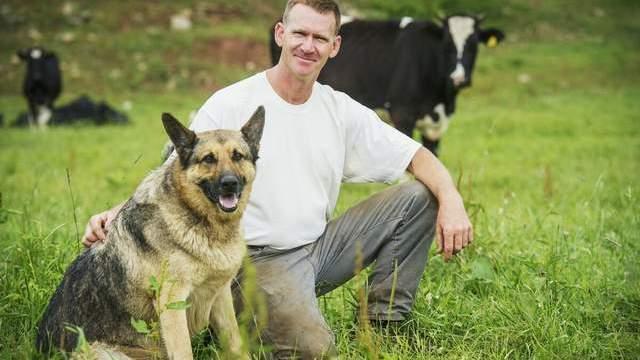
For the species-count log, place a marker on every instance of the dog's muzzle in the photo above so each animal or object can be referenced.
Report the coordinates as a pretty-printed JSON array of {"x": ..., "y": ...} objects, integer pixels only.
[{"x": 225, "y": 192}]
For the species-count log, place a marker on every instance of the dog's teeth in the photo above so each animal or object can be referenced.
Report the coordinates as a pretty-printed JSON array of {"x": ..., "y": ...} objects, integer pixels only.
[{"x": 229, "y": 201}]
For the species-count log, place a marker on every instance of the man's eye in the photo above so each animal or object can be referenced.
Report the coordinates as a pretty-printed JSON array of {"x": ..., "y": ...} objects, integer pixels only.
[
  {"x": 236, "y": 156},
  {"x": 209, "y": 159}
]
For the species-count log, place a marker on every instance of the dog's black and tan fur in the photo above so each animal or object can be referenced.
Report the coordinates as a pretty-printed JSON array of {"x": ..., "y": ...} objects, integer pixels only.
[{"x": 185, "y": 218}]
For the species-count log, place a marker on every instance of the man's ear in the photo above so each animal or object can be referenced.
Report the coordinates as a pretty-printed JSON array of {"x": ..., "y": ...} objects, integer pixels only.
[
  {"x": 183, "y": 139},
  {"x": 336, "y": 46},
  {"x": 252, "y": 131},
  {"x": 278, "y": 32}
]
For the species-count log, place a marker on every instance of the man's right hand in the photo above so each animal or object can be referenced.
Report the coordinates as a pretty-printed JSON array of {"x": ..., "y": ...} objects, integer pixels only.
[{"x": 96, "y": 229}]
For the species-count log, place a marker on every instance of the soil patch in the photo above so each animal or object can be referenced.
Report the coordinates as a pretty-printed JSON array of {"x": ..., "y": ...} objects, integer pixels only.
[{"x": 247, "y": 53}]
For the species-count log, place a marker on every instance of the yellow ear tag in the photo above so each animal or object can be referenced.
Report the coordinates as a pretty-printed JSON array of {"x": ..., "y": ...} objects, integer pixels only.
[{"x": 492, "y": 42}]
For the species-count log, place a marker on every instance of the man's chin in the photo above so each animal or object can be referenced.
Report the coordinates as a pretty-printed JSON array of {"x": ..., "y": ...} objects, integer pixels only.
[
  {"x": 304, "y": 64},
  {"x": 302, "y": 70},
  {"x": 305, "y": 72}
]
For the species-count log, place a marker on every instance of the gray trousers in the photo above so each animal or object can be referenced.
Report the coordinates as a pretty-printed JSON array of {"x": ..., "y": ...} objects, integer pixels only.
[{"x": 393, "y": 228}]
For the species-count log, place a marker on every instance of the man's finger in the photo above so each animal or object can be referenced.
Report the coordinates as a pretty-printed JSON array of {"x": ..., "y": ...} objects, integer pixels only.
[
  {"x": 457, "y": 241},
  {"x": 97, "y": 226},
  {"x": 89, "y": 237},
  {"x": 465, "y": 238},
  {"x": 87, "y": 232},
  {"x": 448, "y": 244},
  {"x": 439, "y": 237}
]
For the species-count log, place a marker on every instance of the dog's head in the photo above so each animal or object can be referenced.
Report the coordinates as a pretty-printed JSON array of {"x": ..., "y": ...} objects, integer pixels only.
[{"x": 216, "y": 168}]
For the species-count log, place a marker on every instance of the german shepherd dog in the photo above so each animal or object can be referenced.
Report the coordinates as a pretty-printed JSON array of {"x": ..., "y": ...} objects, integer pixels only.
[{"x": 182, "y": 225}]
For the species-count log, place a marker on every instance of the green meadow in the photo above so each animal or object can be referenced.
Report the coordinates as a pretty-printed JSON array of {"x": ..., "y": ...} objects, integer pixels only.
[{"x": 544, "y": 147}]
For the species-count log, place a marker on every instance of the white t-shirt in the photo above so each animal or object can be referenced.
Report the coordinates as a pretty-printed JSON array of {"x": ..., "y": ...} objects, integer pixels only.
[{"x": 306, "y": 151}]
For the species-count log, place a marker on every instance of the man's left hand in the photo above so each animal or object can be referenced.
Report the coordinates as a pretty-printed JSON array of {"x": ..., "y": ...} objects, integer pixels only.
[{"x": 453, "y": 229}]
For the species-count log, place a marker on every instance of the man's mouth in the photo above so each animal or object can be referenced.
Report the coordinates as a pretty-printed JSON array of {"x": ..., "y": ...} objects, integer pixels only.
[{"x": 305, "y": 59}]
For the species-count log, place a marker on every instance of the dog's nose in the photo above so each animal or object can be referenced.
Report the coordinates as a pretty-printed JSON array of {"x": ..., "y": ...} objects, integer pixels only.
[{"x": 229, "y": 183}]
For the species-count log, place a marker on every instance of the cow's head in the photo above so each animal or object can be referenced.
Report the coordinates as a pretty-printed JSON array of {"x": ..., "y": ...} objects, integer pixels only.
[
  {"x": 462, "y": 33},
  {"x": 35, "y": 58}
]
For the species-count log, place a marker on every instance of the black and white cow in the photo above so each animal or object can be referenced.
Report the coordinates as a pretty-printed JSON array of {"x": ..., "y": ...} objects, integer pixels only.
[
  {"x": 413, "y": 69},
  {"x": 81, "y": 110},
  {"x": 42, "y": 83}
]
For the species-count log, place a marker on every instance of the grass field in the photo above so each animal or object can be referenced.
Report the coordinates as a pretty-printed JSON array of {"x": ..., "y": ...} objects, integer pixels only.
[{"x": 545, "y": 148}]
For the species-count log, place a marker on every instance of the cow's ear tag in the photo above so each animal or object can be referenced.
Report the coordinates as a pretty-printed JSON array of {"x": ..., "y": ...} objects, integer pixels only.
[{"x": 492, "y": 42}]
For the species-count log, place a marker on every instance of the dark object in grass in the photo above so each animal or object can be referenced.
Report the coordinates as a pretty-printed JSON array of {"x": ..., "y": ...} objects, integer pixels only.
[{"x": 81, "y": 110}]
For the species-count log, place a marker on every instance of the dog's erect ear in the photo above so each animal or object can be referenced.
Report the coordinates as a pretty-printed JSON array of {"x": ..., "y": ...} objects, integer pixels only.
[
  {"x": 252, "y": 131},
  {"x": 182, "y": 138}
]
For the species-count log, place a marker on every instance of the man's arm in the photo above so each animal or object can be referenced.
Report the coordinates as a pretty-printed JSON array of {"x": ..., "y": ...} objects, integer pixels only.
[
  {"x": 96, "y": 229},
  {"x": 453, "y": 228}
]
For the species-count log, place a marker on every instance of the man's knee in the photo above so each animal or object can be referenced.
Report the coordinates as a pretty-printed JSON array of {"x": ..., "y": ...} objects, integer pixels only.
[
  {"x": 421, "y": 197},
  {"x": 317, "y": 343}
]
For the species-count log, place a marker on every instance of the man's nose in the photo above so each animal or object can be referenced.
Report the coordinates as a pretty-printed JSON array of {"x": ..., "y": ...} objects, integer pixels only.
[{"x": 307, "y": 44}]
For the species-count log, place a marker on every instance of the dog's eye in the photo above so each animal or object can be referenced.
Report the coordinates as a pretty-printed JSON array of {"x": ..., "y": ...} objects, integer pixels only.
[
  {"x": 209, "y": 159},
  {"x": 236, "y": 156}
]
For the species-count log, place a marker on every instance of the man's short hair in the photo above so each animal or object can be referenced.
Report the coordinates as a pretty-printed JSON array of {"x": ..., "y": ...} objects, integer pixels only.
[{"x": 321, "y": 6}]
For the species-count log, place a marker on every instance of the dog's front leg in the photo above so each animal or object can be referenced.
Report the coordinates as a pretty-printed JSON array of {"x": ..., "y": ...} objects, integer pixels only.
[
  {"x": 173, "y": 324},
  {"x": 223, "y": 319}
]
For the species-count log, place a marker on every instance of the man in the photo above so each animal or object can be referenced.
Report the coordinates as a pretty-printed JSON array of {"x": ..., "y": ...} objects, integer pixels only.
[{"x": 315, "y": 138}]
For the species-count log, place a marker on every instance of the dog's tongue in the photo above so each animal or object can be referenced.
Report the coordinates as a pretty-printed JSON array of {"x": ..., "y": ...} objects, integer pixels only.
[{"x": 229, "y": 201}]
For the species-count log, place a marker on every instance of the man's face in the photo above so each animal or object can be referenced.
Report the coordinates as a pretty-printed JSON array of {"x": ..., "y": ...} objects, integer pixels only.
[{"x": 308, "y": 40}]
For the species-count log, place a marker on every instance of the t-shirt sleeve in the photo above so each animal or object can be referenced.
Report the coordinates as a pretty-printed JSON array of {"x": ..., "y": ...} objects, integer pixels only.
[
  {"x": 208, "y": 117},
  {"x": 375, "y": 151}
]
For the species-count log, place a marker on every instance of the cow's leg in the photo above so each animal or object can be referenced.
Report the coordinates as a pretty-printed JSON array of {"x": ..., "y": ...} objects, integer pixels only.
[
  {"x": 431, "y": 145},
  {"x": 33, "y": 114},
  {"x": 44, "y": 115},
  {"x": 432, "y": 127},
  {"x": 404, "y": 120}
]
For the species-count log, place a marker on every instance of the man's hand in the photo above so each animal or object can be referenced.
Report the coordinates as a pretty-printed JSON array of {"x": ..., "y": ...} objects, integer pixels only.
[
  {"x": 96, "y": 229},
  {"x": 453, "y": 228}
]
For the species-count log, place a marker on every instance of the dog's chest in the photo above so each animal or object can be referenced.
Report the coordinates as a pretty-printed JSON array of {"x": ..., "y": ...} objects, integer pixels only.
[{"x": 214, "y": 265}]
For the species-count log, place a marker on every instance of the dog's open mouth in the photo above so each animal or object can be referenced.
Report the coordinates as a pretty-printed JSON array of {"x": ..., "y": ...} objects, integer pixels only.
[
  {"x": 228, "y": 202},
  {"x": 225, "y": 193}
]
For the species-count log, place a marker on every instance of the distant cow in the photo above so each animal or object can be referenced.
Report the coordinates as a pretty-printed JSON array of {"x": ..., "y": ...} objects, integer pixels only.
[
  {"x": 413, "y": 69},
  {"x": 42, "y": 83},
  {"x": 82, "y": 110}
]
